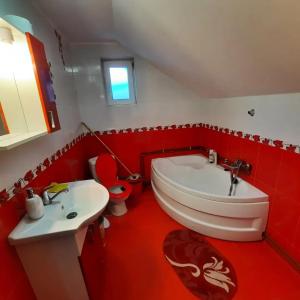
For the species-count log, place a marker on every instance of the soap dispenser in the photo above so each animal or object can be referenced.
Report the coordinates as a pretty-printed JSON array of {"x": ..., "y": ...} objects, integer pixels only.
[{"x": 34, "y": 205}]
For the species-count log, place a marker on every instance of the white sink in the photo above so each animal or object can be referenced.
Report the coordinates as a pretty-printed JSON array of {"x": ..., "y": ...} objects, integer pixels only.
[
  {"x": 49, "y": 247},
  {"x": 87, "y": 198}
]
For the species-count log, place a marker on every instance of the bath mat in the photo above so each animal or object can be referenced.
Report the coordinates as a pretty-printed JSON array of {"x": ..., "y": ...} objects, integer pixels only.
[{"x": 201, "y": 268}]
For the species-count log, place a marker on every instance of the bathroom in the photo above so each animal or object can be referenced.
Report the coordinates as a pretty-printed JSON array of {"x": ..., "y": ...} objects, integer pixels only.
[{"x": 204, "y": 150}]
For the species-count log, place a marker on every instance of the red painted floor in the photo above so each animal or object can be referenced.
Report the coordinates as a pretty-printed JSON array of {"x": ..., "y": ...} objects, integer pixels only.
[{"x": 131, "y": 266}]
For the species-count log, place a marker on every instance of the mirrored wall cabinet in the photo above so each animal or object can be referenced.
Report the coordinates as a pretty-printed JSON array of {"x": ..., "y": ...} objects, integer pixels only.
[{"x": 27, "y": 99}]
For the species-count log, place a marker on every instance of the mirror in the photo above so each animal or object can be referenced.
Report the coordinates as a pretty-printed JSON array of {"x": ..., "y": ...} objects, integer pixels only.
[
  {"x": 21, "y": 111},
  {"x": 12, "y": 111}
]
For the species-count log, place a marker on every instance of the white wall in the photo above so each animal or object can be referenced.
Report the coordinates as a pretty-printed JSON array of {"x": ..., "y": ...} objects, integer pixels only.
[
  {"x": 163, "y": 101},
  {"x": 14, "y": 163},
  {"x": 277, "y": 116},
  {"x": 160, "y": 99}
]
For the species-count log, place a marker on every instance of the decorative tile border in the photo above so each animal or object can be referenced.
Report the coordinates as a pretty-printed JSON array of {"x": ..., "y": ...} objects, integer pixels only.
[
  {"x": 255, "y": 138},
  {"x": 7, "y": 194},
  {"x": 252, "y": 137},
  {"x": 151, "y": 128}
]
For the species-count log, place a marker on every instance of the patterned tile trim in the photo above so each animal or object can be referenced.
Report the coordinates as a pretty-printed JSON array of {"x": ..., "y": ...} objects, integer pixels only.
[
  {"x": 8, "y": 193},
  {"x": 252, "y": 137},
  {"x": 255, "y": 138}
]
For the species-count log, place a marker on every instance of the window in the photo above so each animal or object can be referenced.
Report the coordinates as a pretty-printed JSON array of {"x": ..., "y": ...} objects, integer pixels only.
[{"x": 119, "y": 81}]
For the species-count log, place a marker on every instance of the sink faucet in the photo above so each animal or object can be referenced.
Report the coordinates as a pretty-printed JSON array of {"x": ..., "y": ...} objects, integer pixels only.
[{"x": 49, "y": 200}]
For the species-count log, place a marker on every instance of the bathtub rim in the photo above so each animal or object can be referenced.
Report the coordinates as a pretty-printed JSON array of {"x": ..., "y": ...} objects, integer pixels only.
[{"x": 263, "y": 197}]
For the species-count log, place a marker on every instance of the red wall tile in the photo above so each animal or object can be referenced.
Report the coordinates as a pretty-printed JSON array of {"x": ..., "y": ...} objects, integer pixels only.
[
  {"x": 14, "y": 284},
  {"x": 275, "y": 171},
  {"x": 129, "y": 146}
]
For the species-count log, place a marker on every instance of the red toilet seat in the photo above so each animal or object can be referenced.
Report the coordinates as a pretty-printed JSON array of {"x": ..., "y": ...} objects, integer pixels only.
[
  {"x": 106, "y": 170},
  {"x": 125, "y": 186}
]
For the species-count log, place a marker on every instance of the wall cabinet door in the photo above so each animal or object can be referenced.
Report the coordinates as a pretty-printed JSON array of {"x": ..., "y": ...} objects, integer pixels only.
[{"x": 44, "y": 82}]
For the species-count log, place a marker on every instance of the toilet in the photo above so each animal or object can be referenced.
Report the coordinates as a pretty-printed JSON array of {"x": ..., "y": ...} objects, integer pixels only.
[
  {"x": 92, "y": 167},
  {"x": 104, "y": 170}
]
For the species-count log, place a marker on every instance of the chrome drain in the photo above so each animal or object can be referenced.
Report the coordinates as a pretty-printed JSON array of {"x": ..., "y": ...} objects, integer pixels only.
[{"x": 72, "y": 215}]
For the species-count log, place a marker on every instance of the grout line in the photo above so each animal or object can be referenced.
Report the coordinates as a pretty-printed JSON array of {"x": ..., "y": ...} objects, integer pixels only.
[{"x": 273, "y": 244}]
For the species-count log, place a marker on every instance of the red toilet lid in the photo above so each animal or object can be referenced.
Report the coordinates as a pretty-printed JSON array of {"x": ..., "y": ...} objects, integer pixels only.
[{"x": 106, "y": 169}]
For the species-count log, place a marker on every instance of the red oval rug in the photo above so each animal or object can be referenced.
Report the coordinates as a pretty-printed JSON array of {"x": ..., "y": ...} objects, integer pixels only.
[{"x": 201, "y": 267}]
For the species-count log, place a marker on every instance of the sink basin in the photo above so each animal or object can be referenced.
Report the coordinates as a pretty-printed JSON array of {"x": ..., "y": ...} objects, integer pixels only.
[
  {"x": 85, "y": 201},
  {"x": 42, "y": 244}
]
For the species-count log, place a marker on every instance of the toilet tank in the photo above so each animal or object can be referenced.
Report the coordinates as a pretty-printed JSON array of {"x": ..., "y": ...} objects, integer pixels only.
[{"x": 92, "y": 166}]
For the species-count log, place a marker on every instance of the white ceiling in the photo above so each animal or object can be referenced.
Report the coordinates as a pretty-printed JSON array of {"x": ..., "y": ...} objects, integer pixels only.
[{"x": 218, "y": 48}]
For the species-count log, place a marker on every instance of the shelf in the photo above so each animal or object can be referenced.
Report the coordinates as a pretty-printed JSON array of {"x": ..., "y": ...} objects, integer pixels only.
[{"x": 10, "y": 141}]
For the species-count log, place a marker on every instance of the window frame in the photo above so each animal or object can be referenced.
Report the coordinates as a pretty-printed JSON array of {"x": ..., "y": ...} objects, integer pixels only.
[{"x": 106, "y": 64}]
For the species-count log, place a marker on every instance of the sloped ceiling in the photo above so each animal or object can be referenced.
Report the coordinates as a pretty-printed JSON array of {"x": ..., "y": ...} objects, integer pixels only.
[{"x": 218, "y": 48}]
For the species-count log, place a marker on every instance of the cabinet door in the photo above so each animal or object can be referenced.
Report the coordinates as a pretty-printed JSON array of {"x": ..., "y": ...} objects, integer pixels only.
[{"x": 44, "y": 82}]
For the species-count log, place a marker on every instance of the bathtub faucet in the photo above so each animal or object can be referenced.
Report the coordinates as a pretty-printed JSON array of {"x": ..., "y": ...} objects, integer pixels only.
[
  {"x": 234, "y": 168},
  {"x": 237, "y": 165}
]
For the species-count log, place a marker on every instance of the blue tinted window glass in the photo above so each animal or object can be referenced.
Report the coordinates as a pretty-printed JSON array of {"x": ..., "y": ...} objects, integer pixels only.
[{"x": 119, "y": 83}]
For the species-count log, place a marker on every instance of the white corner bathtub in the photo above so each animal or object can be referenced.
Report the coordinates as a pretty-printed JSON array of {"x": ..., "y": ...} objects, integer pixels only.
[{"x": 195, "y": 194}]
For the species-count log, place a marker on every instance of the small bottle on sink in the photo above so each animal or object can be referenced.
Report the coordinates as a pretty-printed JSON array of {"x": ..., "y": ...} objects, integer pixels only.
[{"x": 34, "y": 205}]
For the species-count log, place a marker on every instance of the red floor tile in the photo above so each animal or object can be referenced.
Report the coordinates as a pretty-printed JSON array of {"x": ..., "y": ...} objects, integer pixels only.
[{"x": 131, "y": 265}]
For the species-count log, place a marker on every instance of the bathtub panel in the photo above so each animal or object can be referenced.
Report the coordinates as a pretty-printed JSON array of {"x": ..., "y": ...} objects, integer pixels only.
[{"x": 232, "y": 229}]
